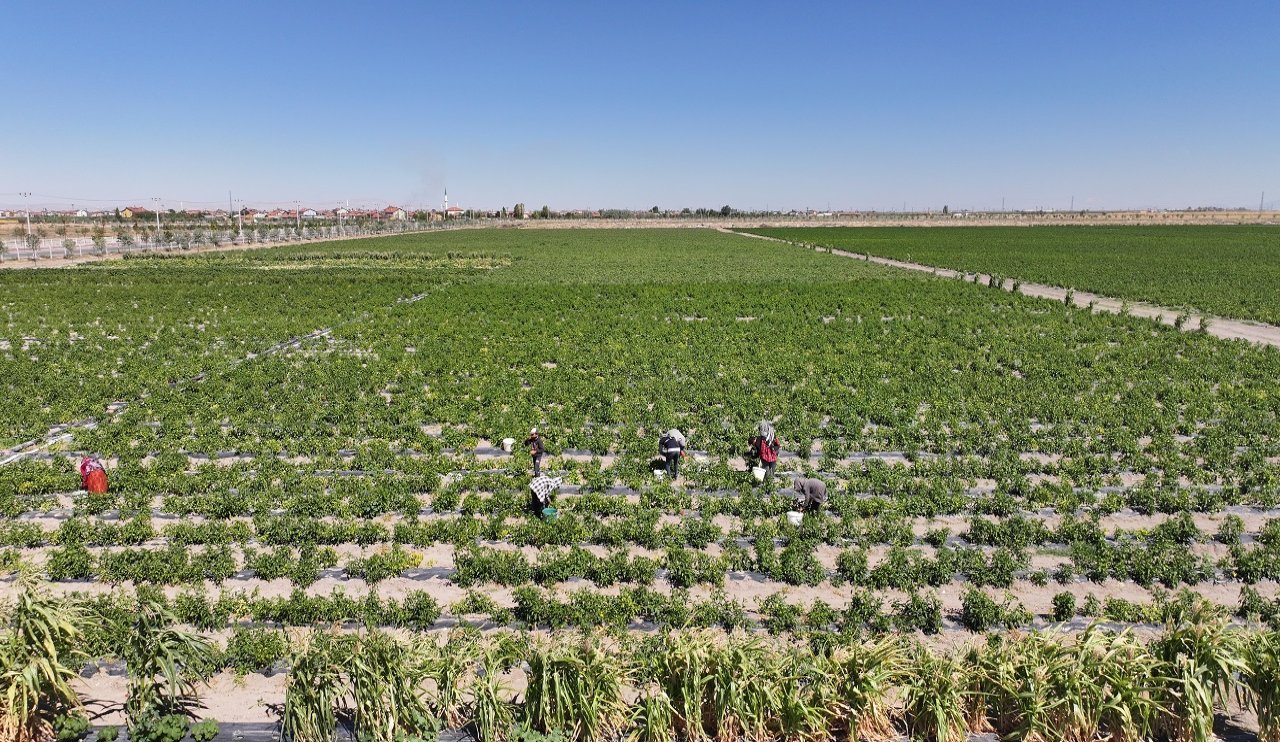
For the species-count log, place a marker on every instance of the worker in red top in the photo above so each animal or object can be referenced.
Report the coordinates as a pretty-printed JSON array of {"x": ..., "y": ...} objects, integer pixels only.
[
  {"x": 764, "y": 447},
  {"x": 93, "y": 475}
]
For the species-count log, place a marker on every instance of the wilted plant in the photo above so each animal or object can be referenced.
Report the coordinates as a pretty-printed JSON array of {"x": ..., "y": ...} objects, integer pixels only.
[
  {"x": 1261, "y": 678},
  {"x": 742, "y": 689},
  {"x": 447, "y": 666},
  {"x": 492, "y": 709},
  {"x": 868, "y": 672},
  {"x": 652, "y": 717},
  {"x": 312, "y": 692},
  {"x": 386, "y": 689},
  {"x": 1016, "y": 687},
  {"x": 684, "y": 670},
  {"x": 576, "y": 689},
  {"x": 808, "y": 697},
  {"x": 1117, "y": 676},
  {"x": 38, "y": 654},
  {"x": 935, "y": 690},
  {"x": 165, "y": 664},
  {"x": 1199, "y": 658}
]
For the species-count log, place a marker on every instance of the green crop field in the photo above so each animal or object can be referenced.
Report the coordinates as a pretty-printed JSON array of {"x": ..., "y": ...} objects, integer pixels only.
[
  {"x": 304, "y": 451},
  {"x": 1226, "y": 271}
]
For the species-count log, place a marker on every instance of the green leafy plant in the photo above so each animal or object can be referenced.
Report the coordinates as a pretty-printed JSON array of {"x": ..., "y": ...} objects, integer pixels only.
[
  {"x": 204, "y": 731},
  {"x": 70, "y": 726},
  {"x": 1064, "y": 606}
]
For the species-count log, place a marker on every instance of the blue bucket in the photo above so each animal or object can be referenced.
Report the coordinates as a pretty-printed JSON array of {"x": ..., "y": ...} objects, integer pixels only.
[{"x": 549, "y": 513}]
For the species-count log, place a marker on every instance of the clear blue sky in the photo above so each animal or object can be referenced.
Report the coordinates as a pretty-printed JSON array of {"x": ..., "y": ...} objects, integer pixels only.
[{"x": 609, "y": 104}]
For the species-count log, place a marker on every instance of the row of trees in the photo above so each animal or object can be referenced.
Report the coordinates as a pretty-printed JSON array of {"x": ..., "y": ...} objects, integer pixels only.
[{"x": 127, "y": 238}]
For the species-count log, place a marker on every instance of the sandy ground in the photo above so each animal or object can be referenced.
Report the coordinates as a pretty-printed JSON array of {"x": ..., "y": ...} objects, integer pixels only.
[
  {"x": 228, "y": 699},
  {"x": 1229, "y": 329}
]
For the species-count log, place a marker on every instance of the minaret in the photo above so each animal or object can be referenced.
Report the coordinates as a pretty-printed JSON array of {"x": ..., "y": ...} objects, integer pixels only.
[{"x": 446, "y": 202}]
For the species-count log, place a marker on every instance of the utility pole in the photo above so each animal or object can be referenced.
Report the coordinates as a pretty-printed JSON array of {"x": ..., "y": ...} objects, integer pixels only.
[
  {"x": 1073, "y": 203},
  {"x": 27, "y": 196},
  {"x": 156, "y": 199},
  {"x": 1261, "y": 200},
  {"x": 297, "y": 213}
]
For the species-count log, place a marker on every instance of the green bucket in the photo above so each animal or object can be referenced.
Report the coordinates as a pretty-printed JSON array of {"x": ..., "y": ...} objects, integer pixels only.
[{"x": 549, "y": 513}]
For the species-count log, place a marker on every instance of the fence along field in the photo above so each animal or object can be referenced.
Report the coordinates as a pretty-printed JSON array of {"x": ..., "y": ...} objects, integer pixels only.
[
  {"x": 994, "y": 461},
  {"x": 1229, "y": 271}
]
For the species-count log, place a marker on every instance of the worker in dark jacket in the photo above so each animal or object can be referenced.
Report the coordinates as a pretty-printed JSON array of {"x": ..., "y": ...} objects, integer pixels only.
[
  {"x": 811, "y": 494},
  {"x": 537, "y": 449},
  {"x": 671, "y": 446}
]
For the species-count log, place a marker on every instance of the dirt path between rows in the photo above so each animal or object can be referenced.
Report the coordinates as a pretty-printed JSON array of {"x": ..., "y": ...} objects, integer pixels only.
[{"x": 1228, "y": 329}]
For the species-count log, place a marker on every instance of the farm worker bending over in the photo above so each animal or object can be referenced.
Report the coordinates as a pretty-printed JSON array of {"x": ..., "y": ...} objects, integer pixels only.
[
  {"x": 543, "y": 489},
  {"x": 811, "y": 494},
  {"x": 764, "y": 446},
  {"x": 536, "y": 449},
  {"x": 93, "y": 475},
  {"x": 671, "y": 446}
]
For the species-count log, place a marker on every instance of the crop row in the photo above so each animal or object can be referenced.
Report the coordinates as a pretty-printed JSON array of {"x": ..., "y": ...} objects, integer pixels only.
[
  {"x": 126, "y": 330},
  {"x": 535, "y": 608},
  {"x": 934, "y": 484},
  {"x": 673, "y": 685},
  {"x": 876, "y": 490},
  {"x": 786, "y": 554},
  {"x": 614, "y": 522}
]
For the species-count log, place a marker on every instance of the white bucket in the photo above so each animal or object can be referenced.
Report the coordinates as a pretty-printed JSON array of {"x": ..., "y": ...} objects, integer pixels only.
[
  {"x": 508, "y": 444},
  {"x": 794, "y": 517},
  {"x": 758, "y": 473}
]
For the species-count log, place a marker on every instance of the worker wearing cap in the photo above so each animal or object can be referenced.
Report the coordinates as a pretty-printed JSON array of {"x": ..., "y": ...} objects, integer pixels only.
[{"x": 536, "y": 450}]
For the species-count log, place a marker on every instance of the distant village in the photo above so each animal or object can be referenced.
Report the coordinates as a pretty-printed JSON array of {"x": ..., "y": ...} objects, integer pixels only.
[{"x": 390, "y": 213}]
